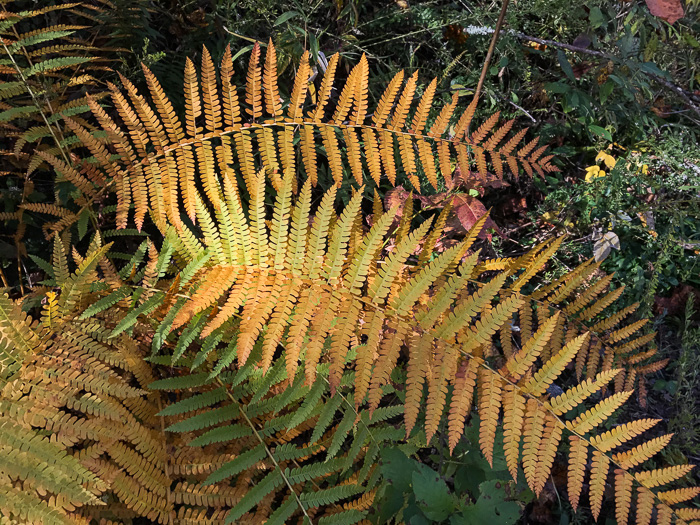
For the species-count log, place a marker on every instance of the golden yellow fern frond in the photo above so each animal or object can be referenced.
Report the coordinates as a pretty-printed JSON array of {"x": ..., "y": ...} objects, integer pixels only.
[{"x": 271, "y": 133}]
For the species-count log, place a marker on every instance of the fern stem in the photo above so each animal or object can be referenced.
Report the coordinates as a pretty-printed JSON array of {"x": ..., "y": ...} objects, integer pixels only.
[{"x": 267, "y": 450}]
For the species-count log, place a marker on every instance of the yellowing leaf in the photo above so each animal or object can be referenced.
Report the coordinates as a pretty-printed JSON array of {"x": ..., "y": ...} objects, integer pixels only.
[
  {"x": 609, "y": 160},
  {"x": 593, "y": 172}
]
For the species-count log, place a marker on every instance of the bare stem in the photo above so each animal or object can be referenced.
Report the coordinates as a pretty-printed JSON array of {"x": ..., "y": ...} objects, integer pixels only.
[{"x": 492, "y": 47}]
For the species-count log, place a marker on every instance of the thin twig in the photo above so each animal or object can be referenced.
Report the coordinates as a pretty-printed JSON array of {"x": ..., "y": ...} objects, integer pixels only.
[
  {"x": 492, "y": 46},
  {"x": 526, "y": 112}
]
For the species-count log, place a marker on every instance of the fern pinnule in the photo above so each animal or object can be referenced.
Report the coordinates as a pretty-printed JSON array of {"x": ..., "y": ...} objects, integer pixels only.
[
  {"x": 549, "y": 444},
  {"x": 361, "y": 92},
  {"x": 146, "y": 118},
  {"x": 462, "y": 126},
  {"x": 520, "y": 362},
  {"x": 601, "y": 304},
  {"x": 418, "y": 367},
  {"x": 253, "y": 94},
  {"x": 532, "y": 436},
  {"x": 164, "y": 107},
  {"x": 498, "y": 136},
  {"x": 513, "y": 418},
  {"x": 543, "y": 378},
  {"x": 595, "y": 416},
  {"x": 229, "y": 93},
  {"x": 672, "y": 497},
  {"x": 479, "y": 135},
  {"x": 619, "y": 435},
  {"x": 354, "y": 279},
  {"x": 662, "y": 476},
  {"x": 447, "y": 292},
  {"x": 612, "y": 321},
  {"x": 193, "y": 106}
]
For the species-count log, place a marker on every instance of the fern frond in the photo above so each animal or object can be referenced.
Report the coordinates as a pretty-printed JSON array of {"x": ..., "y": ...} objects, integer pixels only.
[{"x": 272, "y": 129}]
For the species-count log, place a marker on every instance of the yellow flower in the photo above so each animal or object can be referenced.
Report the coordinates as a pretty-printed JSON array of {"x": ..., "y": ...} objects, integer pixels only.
[
  {"x": 594, "y": 172},
  {"x": 609, "y": 160},
  {"x": 645, "y": 169}
]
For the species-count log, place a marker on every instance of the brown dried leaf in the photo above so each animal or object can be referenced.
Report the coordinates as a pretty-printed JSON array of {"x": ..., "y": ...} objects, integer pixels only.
[
  {"x": 669, "y": 10},
  {"x": 467, "y": 210},
  {"x": 396, "y": 198}
]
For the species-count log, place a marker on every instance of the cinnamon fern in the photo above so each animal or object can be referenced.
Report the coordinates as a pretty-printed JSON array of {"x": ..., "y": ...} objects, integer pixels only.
[{"x": 248, "y": 363}]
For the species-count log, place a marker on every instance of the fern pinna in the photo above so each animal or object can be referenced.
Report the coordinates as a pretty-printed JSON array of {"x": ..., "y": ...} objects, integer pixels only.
[{"x": 288, "y": 341}]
